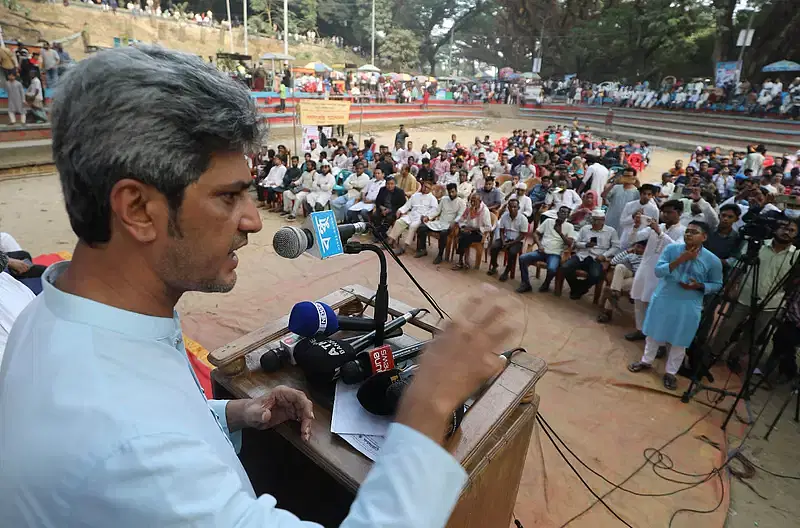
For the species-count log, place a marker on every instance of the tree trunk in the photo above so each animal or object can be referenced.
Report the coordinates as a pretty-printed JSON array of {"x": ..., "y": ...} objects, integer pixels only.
[{"x": 723, "y": 37}]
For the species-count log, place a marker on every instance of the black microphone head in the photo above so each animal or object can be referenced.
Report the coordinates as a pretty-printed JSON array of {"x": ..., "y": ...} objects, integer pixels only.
[
  {"x": 320, "y": 359},
  {"x": 290, "y": 241},
  {"x": 378, "y": 394},
  {"x": 352, "y": 372},
  {"x": 271, "y": 360}
]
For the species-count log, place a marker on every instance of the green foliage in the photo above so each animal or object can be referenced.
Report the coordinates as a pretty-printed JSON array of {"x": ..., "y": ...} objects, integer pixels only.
[{"x": 399, "y": 50}]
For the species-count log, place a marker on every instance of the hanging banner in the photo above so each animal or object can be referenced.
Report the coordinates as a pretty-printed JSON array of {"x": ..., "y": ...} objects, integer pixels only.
[
  {"x": 319, "y": 112},
  {"x": 728, "y": 73}
]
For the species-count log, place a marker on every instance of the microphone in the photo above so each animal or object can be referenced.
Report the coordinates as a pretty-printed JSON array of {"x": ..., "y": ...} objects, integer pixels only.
[
  {"x": 362, "y": 367},
  {"x": 292, "y": 241},
  {"x": 381, "y": 395},
  {"x": 309, "y": 318},
  {"x": 321, "y": 359},
  {"x": 275, "y": 359}
]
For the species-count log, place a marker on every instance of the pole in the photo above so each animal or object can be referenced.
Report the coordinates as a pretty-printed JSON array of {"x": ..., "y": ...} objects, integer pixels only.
[
  {"x": 373, "y": 33},
  {"x": 230, "y": 26},
  {"x": 744, "y": 44},
  {"x": 244, "y": 4},
  {"x": 285, "y": 27},
  {"x": 450, "y": 56}
]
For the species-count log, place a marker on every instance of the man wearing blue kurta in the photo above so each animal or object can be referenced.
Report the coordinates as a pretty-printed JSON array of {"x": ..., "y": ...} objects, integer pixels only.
[
  {"x": 686, "y": 271},
  {"x": 102, "y": 422}
]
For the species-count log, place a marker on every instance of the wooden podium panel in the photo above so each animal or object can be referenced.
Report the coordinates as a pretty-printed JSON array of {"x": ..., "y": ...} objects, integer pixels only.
[{"x": 490, "y": 444}]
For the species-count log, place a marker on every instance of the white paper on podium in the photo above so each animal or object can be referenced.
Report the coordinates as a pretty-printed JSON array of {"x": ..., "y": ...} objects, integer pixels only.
[
  {"x": 367, "y": 445},
  {"x": 349, "y": 417}
]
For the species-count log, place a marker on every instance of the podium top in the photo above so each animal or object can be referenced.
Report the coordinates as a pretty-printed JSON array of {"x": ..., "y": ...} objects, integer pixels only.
[{"x": 469, "y": 445}]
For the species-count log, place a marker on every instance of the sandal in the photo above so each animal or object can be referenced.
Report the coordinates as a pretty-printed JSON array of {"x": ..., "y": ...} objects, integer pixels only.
[
  {"x": 458, "y": 266},
  {"x": 604, "y": 317},
  {"x": 670, "y": 382},
  {"x": 638, "y": 366}
]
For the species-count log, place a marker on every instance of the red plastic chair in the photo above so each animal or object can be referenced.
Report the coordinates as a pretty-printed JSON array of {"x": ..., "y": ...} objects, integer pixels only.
[{"x": 635, "y": 160}]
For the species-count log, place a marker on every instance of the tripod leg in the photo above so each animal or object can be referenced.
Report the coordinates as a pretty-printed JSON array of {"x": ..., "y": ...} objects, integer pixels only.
[
  {"x": 797, "y": 406},
  {"x": 780, "y": 413}
]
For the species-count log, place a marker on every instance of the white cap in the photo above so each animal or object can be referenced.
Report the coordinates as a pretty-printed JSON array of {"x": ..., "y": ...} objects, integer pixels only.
[{"x": 598, "y": 213}]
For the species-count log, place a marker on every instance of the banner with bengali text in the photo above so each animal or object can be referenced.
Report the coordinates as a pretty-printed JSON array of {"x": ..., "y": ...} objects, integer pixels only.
[{"x": 321, "y": 112}]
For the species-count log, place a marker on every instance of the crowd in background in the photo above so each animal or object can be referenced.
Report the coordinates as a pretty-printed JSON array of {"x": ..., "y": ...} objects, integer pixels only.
[
  {"x": 567, "y": 202},
  {"x": 773, "y": 96}
]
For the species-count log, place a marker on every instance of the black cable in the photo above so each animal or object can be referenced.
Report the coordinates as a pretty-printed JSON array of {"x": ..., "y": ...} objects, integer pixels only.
[
  {"x": 422, "y": 290},
  {"x": 779, "y": 475},
  {"x": 663, "y": 461},
  {"x": 577, "y": 474}
]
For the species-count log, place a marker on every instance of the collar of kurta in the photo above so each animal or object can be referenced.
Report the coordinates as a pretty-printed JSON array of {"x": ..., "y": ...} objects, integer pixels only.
[{"x": 91, "y": 313}]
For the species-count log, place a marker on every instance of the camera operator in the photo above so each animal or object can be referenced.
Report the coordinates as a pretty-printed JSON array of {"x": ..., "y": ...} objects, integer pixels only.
[{"x": 776, "y": 257}]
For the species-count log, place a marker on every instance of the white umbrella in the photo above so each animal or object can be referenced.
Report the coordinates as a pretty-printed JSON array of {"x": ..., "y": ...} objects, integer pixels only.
[{"x": 369, "y": 68}]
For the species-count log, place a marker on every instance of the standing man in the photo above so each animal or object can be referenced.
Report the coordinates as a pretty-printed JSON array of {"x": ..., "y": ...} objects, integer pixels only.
[
  {"x": 776, "y": 257},
  {"x": 401, "y": 136},
  {"x": 617, "y": 194},
  {"x": 513, "y": 227},
  {"x": 686, "y": 272},
  {"x": 724, "y": 241},
  {"x": 596, "y": 177},
  {"x": 442, "y": 222},
  {"x": 596, "y": 244},
  {"x": 552, "y": 237},
  {"x": 645, "y": 281},
  {"x": 644, "y": 205},
  {"x": 50, "y": 60},
  {"x": 105, "y": 328},
  {"x": 409, "y": 217}
]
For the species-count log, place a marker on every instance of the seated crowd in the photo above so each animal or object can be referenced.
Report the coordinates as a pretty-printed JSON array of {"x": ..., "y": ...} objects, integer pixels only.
[{"x": 560, "y": 200}]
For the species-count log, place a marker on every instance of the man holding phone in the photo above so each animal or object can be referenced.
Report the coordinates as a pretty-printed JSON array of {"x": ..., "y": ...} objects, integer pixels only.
[
  {"x": 686, "y": 272},
  {"x": 645, "y": 281},
  {"x": 596, "y": 244}
]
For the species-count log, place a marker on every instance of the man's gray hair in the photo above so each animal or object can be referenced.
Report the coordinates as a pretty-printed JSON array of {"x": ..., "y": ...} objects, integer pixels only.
[{"x": 146, "y": 113}]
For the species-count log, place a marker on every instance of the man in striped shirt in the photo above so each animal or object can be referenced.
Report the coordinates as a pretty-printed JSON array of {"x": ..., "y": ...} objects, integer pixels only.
[{"x": 625, "y": 265}]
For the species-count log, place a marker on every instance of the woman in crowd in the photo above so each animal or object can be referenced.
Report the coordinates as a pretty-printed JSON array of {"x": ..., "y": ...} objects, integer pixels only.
[
  {"x": 582, "y": 215},
  {"x": 472, "y": 225}
]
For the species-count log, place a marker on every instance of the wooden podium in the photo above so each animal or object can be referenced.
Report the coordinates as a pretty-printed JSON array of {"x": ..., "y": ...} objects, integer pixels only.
[{"x": 317, "y": 480}]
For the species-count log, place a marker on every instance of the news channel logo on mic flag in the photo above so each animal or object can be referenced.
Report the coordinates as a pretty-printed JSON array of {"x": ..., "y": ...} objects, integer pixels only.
[{"x": 326, "y": 233}]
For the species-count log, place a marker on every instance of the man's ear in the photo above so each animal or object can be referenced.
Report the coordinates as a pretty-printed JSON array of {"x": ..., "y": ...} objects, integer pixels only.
[{"x": 139, "y": 209}]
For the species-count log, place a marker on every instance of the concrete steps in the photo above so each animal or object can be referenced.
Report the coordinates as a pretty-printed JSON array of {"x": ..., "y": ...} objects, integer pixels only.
[{"x": 679, "y": 129}]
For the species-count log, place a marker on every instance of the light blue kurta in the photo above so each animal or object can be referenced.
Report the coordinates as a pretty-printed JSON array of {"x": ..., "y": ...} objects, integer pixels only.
[
  {"x": 674, "y": 313},
  {"x": 103, "y": 424}
]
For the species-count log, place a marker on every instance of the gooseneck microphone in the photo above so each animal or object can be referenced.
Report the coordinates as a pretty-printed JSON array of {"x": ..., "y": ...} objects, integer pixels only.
[{"x": 292, "y": 241}]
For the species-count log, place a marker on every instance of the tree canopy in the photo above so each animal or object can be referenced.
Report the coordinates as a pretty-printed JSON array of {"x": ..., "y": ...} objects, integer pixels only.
[{"x": 596, "y": 39}]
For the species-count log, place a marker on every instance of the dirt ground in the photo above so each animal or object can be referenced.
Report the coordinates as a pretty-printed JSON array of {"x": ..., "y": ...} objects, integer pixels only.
[{"x": 606, "y": 415}]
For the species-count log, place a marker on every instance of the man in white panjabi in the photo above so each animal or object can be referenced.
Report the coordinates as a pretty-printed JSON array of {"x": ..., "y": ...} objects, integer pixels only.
[
  {"x": 409, "y": 217},
  {"x": 450, "y": 209},
  {"x": 294, "y": 198},
  {"x": 321, "y": 189},
  {"x": 353, "y": 185},
  {"x": 645, "y": 281},
  {"x": 362, "y": 207}
]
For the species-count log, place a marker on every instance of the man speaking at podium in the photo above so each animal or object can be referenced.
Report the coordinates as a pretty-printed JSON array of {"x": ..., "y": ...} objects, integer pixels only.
[{"x": 102, "y": 422}]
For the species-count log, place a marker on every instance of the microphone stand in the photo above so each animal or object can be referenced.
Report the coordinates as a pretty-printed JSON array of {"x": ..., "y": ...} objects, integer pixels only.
[{"x": 354, "y": 247}]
